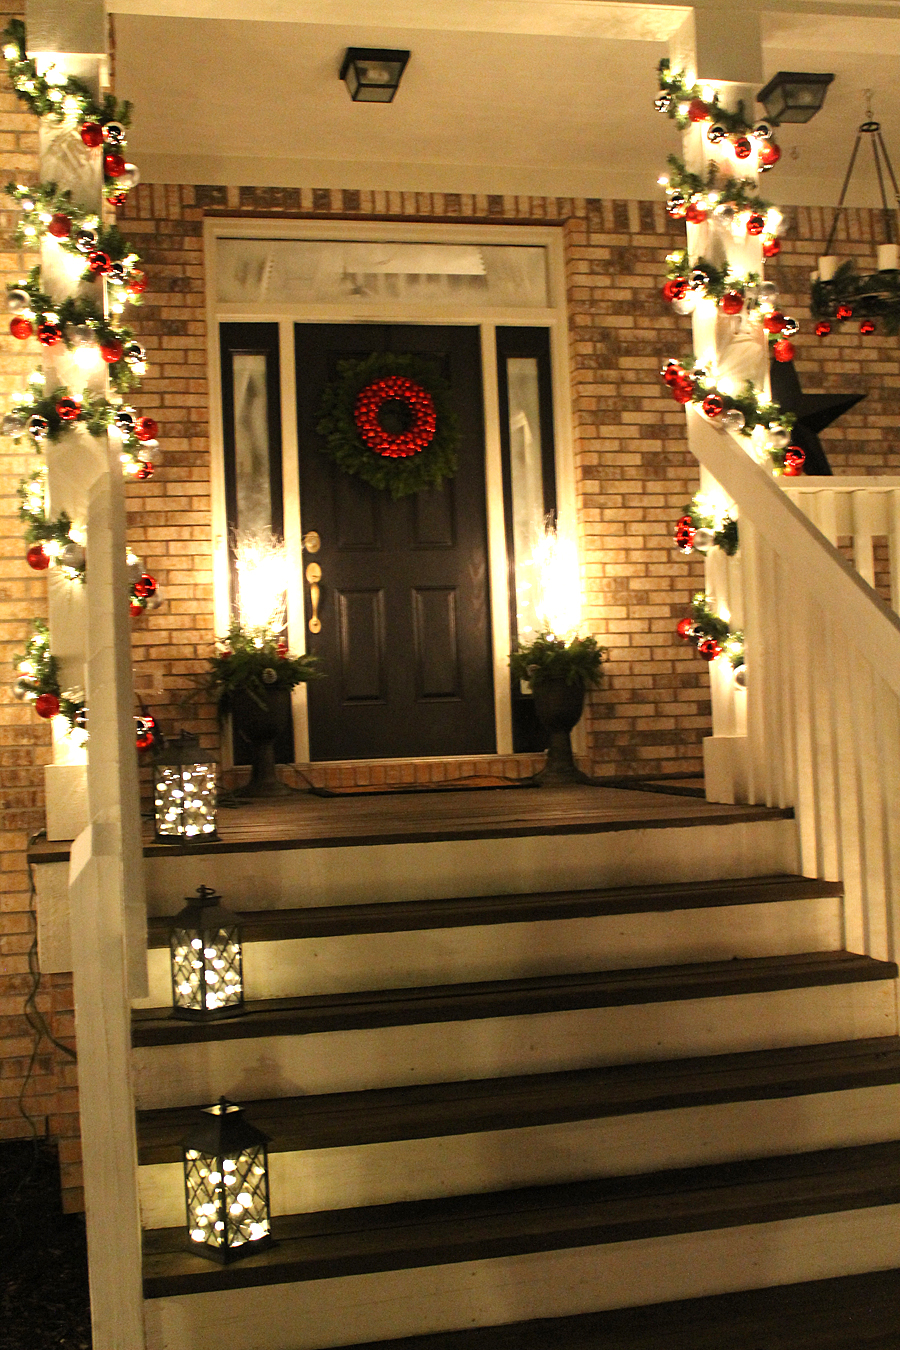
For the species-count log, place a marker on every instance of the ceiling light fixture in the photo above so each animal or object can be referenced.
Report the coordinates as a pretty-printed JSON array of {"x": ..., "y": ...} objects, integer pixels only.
[
  {"x": 372, "y": 74},
  {"x": 794, "y": 96}
]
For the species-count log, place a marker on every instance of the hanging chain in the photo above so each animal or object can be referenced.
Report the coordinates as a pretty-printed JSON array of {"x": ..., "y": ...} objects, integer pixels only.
[{"x": 872, "y": 129}]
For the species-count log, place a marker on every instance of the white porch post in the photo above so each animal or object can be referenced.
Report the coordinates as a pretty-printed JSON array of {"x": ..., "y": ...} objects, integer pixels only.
[{"x": 90, "y": 634}]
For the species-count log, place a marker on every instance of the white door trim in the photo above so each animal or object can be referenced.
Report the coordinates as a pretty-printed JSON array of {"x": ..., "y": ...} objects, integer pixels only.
[{"x": 554, "y": 317}]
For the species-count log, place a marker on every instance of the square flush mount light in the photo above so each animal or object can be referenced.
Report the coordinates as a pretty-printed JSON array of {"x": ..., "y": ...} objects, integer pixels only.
[
  {"x": 372, "y": 74},
  {"x": 792, "y": 96}
]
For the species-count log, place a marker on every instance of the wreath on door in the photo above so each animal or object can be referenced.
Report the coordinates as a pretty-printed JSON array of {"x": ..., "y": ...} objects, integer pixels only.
[{"x": 388, "y": 420}]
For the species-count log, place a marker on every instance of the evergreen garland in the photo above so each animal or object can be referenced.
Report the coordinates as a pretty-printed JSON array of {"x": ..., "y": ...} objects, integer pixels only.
[
  {"x": 849, "y": 297},
  {"x": 342, "y": 443}
]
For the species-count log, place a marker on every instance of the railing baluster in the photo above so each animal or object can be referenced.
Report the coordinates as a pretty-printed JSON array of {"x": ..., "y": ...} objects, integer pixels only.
[
  {"x": 871, "y": 814},
  {"x": 849, "y": 799}
]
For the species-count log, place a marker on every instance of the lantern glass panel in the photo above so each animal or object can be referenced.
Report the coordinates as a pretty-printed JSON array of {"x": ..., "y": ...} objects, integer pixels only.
[
  {"x": 206, "y": 969},
  {"x": 185, "y": 800},
  {"x": 227, "y": 1199}
]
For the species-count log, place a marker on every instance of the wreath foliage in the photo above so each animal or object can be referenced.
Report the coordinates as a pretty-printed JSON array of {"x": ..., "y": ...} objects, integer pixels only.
[{"x": 342, "y": 442}]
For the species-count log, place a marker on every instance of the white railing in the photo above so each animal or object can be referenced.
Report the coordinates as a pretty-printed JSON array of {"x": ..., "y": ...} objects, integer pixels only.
[
  {"x": 823, "y": 691},
  {"x": 862, "y": 511}
]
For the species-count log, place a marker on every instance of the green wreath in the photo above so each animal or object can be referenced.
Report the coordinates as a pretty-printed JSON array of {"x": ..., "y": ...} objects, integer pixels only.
[{"x": 339, "y": 426}]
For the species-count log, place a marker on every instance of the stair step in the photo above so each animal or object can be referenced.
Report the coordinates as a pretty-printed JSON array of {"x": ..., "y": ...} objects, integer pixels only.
[
  {"x": 344, "y": 1119},
  {"x": 417, "y": 1234},
  {"x": 271, "y": 925},
  {"x": 509, "y": 998},
  {"x": 850, "y": 1312}
]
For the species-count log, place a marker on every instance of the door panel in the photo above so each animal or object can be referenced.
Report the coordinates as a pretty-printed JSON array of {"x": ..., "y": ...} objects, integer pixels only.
[{"x": 404, "y": 606}]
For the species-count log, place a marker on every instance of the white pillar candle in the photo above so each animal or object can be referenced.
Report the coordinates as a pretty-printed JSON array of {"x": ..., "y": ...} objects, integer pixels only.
[
  {"x": 828, "y": 266},
  {"x": 888, "y": 259}
]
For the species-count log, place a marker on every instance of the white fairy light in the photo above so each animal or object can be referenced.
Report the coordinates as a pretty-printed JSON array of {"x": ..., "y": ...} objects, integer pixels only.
[
  {"x": 262, "y": 572},
  {"x": 554, "y": 567}
]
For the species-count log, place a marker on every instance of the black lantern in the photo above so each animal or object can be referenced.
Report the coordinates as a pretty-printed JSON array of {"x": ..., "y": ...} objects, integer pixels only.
[
  {"x": 185, "y": 791},
  {"x": 372, "y": 74},
  {"x": 226, "y": 1185},
  {"x": 792, "y": 96},
  {"x": 207, "y": 980}
]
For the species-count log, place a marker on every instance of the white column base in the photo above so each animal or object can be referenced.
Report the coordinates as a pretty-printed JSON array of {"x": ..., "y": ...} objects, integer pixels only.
[
  {"x": 65, "y": 786},
  {"x": 725, "y": 768}
]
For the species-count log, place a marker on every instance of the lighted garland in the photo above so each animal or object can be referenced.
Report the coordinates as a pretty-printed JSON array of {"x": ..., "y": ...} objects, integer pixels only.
[
  {"x": 106, "y": 251},
  {"x": 686, "y": 105},
  {"x": 46, "y": 417},
  {"x": 702, "y": 527},
  {"x": 38, "y": 682},
  {"x": 419, "y": 452},
  {"x": 712, "y": 636},
  {"x": 745, "y": 413},
  {"x": 100, "y": 124},
  {"x": 692, "y": 197},
  {"x": 849, "y": 298}
]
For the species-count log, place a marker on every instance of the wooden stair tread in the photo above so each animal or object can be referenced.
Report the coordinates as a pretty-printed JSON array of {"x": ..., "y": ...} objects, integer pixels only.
[
  {"x": 341, "y": 1119},
  {"x": 506, "y": 998},
  {"x": 850, "y": 1312},
  {"x": 419, "y": 1233},
  {"x": 270, "y": 925}
]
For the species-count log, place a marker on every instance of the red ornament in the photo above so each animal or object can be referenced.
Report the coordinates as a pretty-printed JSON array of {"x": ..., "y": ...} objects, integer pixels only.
[
  {"x": 698, "y": 111},
  {"x": 713, "y": 405},
  {"x": 418, "y": 405},
  {"x": 675, "y": 288},
  {"x": 823, "y": 328},
  {"x": 866, "y": 327},
  {"x": 49, "y": 334},
  {"x": 682, "y": 390},
  {"x": 742, "y": 147},
  {"x": 783, "y": 350},
  {"x": 732, "y": 302},
  {"x": 684, "y": 534},
  {"x": 686, "y": 629},
  {"x": 92, "y": 135},
  {"x": 67, "y": 409},
  {"x": 709, "y": 649},
  {"x": 137, "y": 283},
  {"x": 672, "y": 372},
  {"x": 136, "y": 608},
  {"x": 117, "y": 198},
  {"x": 771, "y": 248},
  {"x": 774, "y": 322},
  {"x": 695, "y": 214},
  {"x": 111, "y": 351},
  {"x": 145, "y": 586},
  {"x": 756, "y": 224},
  {"x": 145, "y": 429},
  {"x": 113, "y": 164},
  {"x": 844, "y": 312},
  {"x": 37, "y": 558},
  {"x": 794, "y": 459},
  {"x": 46, "y": 705},
  {"x": 144, "y": 472},
  {"x": 60, "y": 226},
  {"x": 282, "y": 650},
  {"x": 20, "y": 328},
  {"x": 99, "y": 262},
  {"x": 769, "y": 155}
]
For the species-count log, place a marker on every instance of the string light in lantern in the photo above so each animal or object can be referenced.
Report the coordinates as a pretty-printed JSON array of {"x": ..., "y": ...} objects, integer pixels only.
[
  {"x": 205, "y": 948},
  {"x": 185, "y": 792},
  {"x": 226, "y": 1183}
]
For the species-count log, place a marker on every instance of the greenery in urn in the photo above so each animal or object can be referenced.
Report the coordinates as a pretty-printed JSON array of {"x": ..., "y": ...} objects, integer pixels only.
[
  {"x": 254, "y": 665},
  {"x": 547, "y": 658}
]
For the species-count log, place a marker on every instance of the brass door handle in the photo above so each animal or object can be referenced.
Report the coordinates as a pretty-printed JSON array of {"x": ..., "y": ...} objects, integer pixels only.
[{"x": 314, "y": 576}]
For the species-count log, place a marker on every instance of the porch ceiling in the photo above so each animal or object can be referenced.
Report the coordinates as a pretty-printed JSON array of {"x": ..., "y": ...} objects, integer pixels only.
[{"x": 513, "y": 96}]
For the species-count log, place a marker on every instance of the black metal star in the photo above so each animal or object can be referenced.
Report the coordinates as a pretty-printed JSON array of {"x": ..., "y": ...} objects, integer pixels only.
[{"x": 812, "y": 412}]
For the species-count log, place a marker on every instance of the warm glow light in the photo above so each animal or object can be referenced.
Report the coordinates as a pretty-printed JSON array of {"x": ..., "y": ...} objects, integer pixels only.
[
  {"x": 262, "y": 572},
  {"x": 558, "y": 592}
]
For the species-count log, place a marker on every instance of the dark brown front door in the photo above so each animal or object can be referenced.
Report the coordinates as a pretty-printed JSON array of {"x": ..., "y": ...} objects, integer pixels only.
[{"x": 405, "y": 639}]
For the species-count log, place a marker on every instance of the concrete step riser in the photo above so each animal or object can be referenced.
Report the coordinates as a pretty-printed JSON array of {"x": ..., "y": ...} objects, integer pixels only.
[
  {"x": 516, "y": 950},
  {"x": 413, "y": 1169},
  {"x": 344, "y": 1311},
  {"x": 273, "y": 1066}
]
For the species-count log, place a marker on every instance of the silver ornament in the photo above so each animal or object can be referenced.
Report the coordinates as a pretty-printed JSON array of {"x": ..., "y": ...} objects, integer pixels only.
[
  {"x": 762, "y": 131},
  {"x": 134, "y": 353},
  {"x": 124, "y": 422},
  {"x": 716, "y": 133},
  {"x": 733, "y": 420},
  {"x": 80, "y": 335},
  {"x": 86, "y": 240},
  {"x": 117, "y": 274},
  {"x": 725, "y": 213},
  {"x": 663, "y": 102},
  {"x": 13, "y": 424},
  {"x": 704, "y": 539},
  {"x": 129, "y": 178},
  {"x": 135, "y": 570},
  {"x": 71, "y": 555},
  {"x": 767, "y": 292},
  {"x": 685, "y": 305},
  {"x": 18, "y": 300},
  {"x": 23, "y": 689},
  {"x": 740, "y": 676},
  {"x": 791, "y": 326},
  {"x": 155, "y": 600},
  {"x": 114, "y": 133},
  {"x": 778, "y": 436},
  {"x": 38, "y": 426},
  {"x": 269, "y": 676}
]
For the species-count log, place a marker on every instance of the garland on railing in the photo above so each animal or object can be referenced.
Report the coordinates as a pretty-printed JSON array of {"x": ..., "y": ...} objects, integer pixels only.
[
  {"x": 38, "y": 682},
  {"x": 743, "y": 412},
  {"x": 848, "y": 297},
  {"x": 107, "y": 253},
  {"x": 712, "y": 636},
  {"x": 733, "y": 293},
  {"x": 735, "y": 201},
  {"x": 704, "y": 526},
  {"x": 688, "y": 104}
]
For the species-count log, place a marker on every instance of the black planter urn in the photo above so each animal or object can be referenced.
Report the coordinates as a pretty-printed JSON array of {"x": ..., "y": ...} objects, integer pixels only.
[
  {"x": 259, "y": 720},
  {"x": 559, "y": 706}
]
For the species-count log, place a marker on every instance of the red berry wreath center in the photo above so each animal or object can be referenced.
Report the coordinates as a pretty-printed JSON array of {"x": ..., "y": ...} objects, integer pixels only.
[{"x": 395, "y": 417}]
